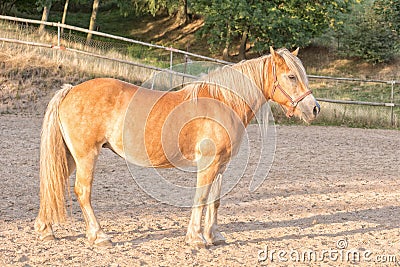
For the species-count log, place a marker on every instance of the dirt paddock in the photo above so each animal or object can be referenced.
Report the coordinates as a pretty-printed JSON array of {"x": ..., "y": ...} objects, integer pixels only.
[{"x": 331, "y": 198}]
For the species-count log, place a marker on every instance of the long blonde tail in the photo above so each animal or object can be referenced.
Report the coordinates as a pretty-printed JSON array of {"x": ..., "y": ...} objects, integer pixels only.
[{"x": 54, "y": 176}]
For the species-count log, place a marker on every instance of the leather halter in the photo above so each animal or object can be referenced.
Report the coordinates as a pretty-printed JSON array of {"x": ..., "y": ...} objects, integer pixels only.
[{"x": 294, "y": 102}]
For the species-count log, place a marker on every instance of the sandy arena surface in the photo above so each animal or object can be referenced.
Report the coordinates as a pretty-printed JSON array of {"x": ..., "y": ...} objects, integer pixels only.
[{"x": 332, "y": 194}]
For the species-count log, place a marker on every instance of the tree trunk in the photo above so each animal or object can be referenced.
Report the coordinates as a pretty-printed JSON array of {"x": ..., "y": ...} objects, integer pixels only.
[
  {"x": 182, "y": 14},
  {"x": 225, "y": 53},
  {"x": 243, "y": 44},
  {"x": 92, "y": 24},
  {"x": 45, "y": 17},
  {"x": 64, "y": 15}
]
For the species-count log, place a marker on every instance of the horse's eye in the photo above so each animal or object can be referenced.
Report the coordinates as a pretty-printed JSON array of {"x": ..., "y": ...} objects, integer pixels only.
[{"x": 292, "y": 77}]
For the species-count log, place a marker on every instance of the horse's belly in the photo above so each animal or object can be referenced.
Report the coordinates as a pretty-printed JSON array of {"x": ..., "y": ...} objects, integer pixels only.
[
  {"x": 156, "y": 156},
  {"x": 146, "y": 140}
]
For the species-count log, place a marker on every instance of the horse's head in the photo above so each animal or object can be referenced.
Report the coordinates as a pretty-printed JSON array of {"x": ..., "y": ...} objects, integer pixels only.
[{"x": 289, "y": 86}]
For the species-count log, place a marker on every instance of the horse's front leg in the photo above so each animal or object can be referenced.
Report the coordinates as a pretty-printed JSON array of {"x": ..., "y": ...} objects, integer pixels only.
[
  {"x": 205, "y": 177},
  {"x": 211, "y": 232},
  {"x": 83, "y": 186},
  {"x": 194, "y": 235}
]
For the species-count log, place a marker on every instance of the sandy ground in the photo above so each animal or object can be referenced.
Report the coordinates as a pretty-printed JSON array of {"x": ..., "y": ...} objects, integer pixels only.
[{"x": 332, "y": 194}]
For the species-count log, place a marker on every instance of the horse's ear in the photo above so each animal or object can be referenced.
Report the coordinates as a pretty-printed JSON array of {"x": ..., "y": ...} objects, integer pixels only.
[
  {"x": 296, "y": 52},
  {"x": 275, "y": 56},
  {"x": 272, "y": 51}
]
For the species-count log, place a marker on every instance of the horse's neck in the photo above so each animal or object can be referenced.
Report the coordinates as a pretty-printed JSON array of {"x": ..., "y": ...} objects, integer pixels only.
[
  {"x": 256, "y": 71},
  {"x": 240, "y": 87}
]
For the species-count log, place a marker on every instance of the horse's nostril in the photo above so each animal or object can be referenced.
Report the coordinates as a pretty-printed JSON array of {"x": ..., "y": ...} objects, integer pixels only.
[{"x": 316, "y": 110}]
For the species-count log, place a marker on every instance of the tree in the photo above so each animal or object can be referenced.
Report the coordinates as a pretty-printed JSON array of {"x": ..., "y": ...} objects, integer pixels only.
[
  {"x": 182, "y": 12},
  {"x": 45, "y": 5},
  {"x": 93, "y": 17},
  {"x": 222, "y": 22},
  {"x": 6, "y": 6},
  {"x": 288, "y": 23},
  {"x": 388, "y": 12},
  {"x": 372, "y": 31},
  {"x": 173, "y": 8},
  {"x": 64, "y": 14}
]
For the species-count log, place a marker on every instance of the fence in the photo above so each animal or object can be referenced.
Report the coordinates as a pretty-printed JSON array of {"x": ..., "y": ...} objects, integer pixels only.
[
  {"x": 386, "y": 94},
  {"x": 155, "y": 57}
]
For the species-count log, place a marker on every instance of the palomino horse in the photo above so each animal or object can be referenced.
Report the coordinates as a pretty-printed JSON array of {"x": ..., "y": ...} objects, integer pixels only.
[{"x": 80, "y": 120}]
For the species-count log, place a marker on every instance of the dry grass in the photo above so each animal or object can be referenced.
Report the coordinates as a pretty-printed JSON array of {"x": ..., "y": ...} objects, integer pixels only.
[
  {"x": 348, "y": 115},
  {"x": 26, "y": 78},
  {"x": 358, "y": 116},
  {"x": 326, "y": 61}
]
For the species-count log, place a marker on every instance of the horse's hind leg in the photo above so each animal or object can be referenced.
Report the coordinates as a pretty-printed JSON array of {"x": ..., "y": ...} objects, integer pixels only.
[
  {"x": 211, "y": 232},
  {"x": 83, "y": 185}
]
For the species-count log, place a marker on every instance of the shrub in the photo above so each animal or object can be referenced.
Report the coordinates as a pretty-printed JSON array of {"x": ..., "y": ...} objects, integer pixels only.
[{"x": 371, "y": 31}]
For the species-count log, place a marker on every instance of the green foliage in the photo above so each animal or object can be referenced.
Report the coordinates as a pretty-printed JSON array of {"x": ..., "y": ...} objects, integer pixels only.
[
  {"x": 278, "y": 23},
  {"x": 372, "y": 31},
  {"x": 6, "y": 6},
  {"x": 42, "y": 3},
  {"x": 148, "y": 6},
  {"x": 147, "y": 55},
  {"x": 388, "y": 12}
]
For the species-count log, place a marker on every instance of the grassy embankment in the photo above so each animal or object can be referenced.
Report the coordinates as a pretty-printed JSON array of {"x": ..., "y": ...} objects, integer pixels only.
[{"x": 27, "y": 74}]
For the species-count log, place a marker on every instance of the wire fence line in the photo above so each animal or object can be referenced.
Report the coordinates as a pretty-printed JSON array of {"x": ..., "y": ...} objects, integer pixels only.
[{"x": 143, "y": 55}]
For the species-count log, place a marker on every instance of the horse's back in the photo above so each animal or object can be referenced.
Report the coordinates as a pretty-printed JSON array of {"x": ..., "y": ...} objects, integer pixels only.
[{"x": 104, "y": 90}]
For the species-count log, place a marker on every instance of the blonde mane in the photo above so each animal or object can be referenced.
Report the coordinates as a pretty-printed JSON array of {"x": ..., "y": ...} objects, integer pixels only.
[
  {"x": 239, "y": 85},
  {"x": 294, "y": 64},
  {"x": 242, "y": 84}
]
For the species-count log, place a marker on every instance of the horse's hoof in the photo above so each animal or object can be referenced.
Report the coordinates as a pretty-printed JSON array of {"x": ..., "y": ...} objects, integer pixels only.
[
  {"x": 47, "y": 238},
  {"x": 99, "y": 239},
  {"x": 216, "y": 240},
  {"x": 44, "y": 231},
  {"x": 219, "y": 242},
  {"x": 103, "y": 243},
  {"x": 197, "y": 243}
]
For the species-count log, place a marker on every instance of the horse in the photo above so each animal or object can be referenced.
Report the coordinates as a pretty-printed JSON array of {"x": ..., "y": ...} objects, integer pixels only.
[{"x": 130, "y": 120}]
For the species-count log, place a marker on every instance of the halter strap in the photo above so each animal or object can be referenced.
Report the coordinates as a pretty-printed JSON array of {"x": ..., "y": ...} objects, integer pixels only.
[{"x": 295, "y": 102}]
